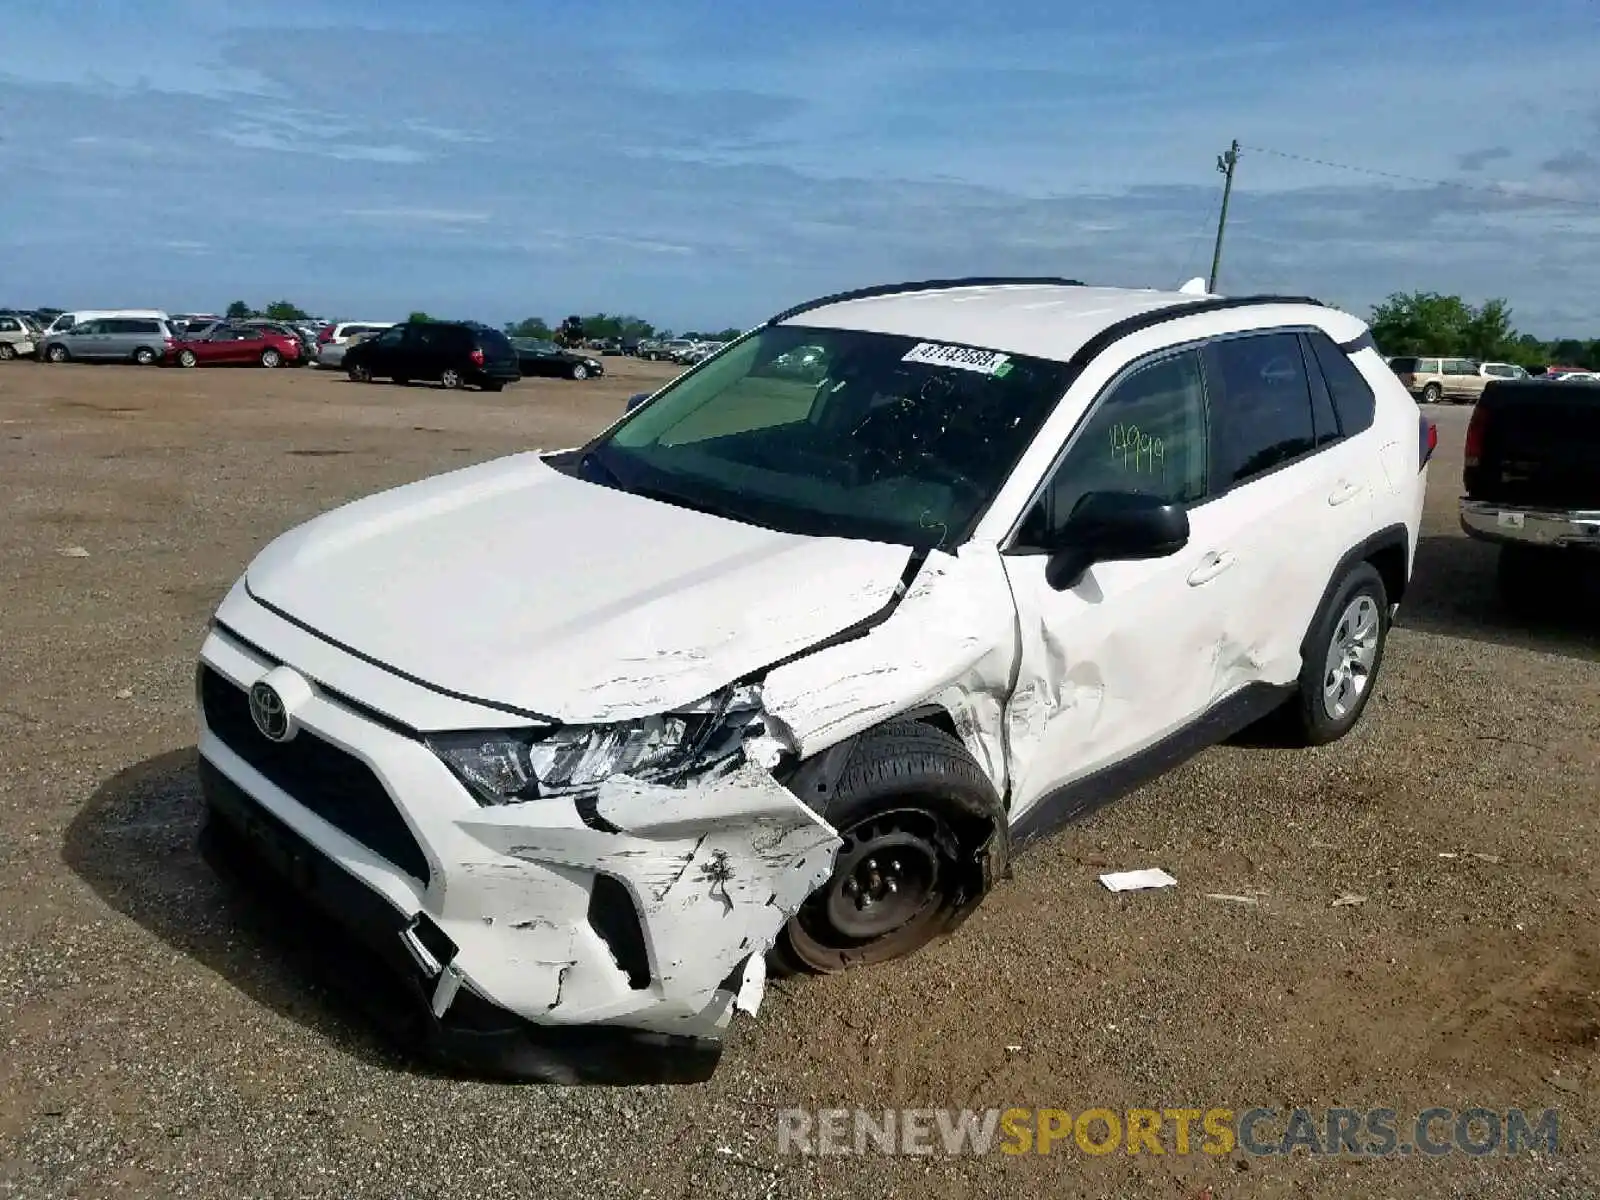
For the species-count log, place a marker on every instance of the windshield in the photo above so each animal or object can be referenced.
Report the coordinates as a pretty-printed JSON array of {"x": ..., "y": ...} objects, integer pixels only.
[{"x": 836, "y": 432}]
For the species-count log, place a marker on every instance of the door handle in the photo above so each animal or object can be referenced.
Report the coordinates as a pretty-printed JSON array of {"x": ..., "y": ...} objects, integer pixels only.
[
  {"x": 1345, "y": 491},
  {"x": 1212, "y": 565}
]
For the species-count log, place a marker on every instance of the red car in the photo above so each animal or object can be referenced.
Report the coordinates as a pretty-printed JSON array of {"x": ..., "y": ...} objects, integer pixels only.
[{"x": 237, "y": 344}]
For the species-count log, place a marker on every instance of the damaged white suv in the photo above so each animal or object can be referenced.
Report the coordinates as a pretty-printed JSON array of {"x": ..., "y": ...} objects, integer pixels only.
[{"x": 788, "y": 660}]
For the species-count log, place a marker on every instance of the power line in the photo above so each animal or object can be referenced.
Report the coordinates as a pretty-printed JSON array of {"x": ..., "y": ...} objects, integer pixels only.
[{"x": 1509, "y": 193}]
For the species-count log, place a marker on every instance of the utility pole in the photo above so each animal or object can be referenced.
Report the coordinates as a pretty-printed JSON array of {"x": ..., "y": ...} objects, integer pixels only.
[{"x": 1225, "y": 163}]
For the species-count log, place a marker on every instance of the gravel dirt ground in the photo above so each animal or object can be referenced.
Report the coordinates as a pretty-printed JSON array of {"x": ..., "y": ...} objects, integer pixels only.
[{"x": 160, "y": 1037}]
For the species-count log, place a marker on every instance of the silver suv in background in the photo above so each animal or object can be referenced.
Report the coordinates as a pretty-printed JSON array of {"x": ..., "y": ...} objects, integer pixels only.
[
  {"x": 17, "y": 336},
  {"x": 142, "y": 340}
]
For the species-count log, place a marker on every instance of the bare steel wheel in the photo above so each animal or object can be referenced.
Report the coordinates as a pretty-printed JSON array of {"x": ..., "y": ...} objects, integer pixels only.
[{"x": 917, "y": 821}]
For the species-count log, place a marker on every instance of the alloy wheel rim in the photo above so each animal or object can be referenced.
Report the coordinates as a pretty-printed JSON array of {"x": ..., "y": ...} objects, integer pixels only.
[{"x": 1352, "y": 654}]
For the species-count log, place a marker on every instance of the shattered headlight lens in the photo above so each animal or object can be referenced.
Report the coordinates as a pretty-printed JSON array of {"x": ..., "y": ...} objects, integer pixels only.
[{"x": 508, "y": 766}]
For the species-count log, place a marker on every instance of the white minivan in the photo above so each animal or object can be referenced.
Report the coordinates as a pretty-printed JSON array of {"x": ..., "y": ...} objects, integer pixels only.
[
  {"x": 787, "y": 662},
  {"x": 67, "y": 320}
]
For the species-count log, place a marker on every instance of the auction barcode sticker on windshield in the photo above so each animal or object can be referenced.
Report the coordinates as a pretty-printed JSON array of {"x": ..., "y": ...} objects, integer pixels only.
[{"x": 963, "y": 358}]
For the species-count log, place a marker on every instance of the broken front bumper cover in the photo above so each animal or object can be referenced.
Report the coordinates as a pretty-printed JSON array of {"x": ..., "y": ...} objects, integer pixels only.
[{"x": 380, "y": 959}]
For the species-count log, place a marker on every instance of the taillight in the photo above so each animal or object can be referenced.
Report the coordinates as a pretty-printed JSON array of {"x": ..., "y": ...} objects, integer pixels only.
[
  {"x": 1475, "y": 430},
  {"x": 477, "y": 357},
  {"x": 1428, "y": 441}
]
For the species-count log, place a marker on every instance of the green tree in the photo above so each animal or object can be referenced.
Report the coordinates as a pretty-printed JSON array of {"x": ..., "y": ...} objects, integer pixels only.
[
  {"x": 419, "y": 318},
  {"x": 529, "y": 327},
  {"x": 726, "y": 335},
  {"x": 283, "y": 310},
  {"x": 1489, "y": 335},
  {"x": 1422, "y": 323},
  {"x": 239, "y": 311}
]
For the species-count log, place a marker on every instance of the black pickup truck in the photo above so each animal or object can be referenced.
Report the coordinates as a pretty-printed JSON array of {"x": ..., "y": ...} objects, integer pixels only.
[{"x": 1532, "y": 482}]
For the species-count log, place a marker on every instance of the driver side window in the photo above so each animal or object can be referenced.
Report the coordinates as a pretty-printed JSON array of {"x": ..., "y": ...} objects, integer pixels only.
[
  {"x": 1147, "y": 435},
  {"x": 392, "y": 337}
]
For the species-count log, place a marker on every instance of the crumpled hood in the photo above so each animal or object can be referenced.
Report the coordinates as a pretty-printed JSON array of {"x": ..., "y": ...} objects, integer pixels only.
[{"x": 516, "y": 585}]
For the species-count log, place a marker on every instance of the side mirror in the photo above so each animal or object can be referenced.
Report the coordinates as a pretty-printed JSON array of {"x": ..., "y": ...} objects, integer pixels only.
[
  {"x": 635, "y": 400},
  {"x": 1115, "y": 527}
]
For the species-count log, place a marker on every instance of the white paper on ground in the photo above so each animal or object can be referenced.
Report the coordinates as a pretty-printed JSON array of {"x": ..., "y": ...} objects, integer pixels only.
[{"x": 1137, "y": 881}]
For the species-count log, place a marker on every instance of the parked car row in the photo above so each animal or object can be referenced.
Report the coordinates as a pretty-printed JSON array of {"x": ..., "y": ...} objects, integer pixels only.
[
  {"x": 683, "y": 351},
  {"x": 1435, "y": 379}
]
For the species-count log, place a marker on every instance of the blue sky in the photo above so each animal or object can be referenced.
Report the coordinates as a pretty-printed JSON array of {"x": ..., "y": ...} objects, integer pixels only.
[{"x": 707, "y": 163}]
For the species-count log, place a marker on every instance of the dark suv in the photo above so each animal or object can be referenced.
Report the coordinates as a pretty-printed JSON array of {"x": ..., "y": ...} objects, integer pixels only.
[{"x": 454, "y": 353}]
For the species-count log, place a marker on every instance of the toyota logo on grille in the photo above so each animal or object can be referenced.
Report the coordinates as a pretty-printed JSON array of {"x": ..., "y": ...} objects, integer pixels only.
[{"x": 267, "y": 710}]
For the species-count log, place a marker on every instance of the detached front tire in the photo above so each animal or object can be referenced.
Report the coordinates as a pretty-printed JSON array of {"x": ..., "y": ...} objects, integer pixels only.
[{"x": 917, "y": 817}]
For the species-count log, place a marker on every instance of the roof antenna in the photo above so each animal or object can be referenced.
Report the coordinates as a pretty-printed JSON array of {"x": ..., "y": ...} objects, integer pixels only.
[{"x": 1195, "y": 287}]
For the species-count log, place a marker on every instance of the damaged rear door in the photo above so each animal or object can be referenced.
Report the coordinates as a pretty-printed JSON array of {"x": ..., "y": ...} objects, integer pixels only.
[{"x": 1119, "y": 659}]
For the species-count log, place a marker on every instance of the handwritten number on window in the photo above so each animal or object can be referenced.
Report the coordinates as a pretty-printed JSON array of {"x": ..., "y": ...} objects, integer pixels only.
[{"x": 1137, "y": 452}]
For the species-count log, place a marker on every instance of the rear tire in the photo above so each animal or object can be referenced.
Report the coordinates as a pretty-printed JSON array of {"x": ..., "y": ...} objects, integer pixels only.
[
  {"x": 7, "y": 351},
  {"x": 270, "y": 358},
  {"x": 144, "y": 356},
  {"x": 907, "y": 807},
  {"x": 1432, "y": 394},
  {"x": 1342, "y": 656},
  {"x": 188, "y": 358},
  {"x": 359, "y": 374},
  {"x": 451, "y": 378},
  {"x": 57, "y": 354},
  {"x": 1528, "y": 579}
]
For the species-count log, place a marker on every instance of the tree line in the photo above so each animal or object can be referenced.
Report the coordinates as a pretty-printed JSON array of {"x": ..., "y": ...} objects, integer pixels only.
[
  {"x": 622, "y": 326},
  {"x": 1435, "y": 324}
]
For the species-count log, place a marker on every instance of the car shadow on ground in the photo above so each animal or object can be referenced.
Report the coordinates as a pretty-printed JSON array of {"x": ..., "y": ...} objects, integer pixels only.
[
  {"x": 1453, "y": 593},
  {"x": 135, "y": 843}
]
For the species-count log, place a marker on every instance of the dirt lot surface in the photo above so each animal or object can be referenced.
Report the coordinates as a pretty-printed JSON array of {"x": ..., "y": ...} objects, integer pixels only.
[{"x": 154, "y": 1042}]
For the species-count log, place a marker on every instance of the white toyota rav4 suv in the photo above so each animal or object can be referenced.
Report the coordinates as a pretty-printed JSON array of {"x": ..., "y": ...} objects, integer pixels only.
[{"x": 787, "y": 662}]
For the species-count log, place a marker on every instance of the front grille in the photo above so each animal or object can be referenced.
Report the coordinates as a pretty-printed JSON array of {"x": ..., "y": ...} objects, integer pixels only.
[{"x": 336, "y": 785}]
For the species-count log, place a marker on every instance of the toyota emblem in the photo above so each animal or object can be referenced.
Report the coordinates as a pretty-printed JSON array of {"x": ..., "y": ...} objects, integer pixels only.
[{"x": 267, "y": 710}]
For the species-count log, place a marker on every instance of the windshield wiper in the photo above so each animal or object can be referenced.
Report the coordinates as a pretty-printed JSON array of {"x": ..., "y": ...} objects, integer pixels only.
[{"x": 610, "y": 478}]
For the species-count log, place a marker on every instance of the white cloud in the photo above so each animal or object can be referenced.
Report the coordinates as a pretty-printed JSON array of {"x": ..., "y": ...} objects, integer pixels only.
[{"x": 426, "y": 216}]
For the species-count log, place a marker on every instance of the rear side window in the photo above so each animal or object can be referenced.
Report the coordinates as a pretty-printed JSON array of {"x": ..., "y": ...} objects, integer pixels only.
[
  {"x": 143, "y": 327},
  {"x": 1352, "y": 395},
  {"x": 1403, "y": 366},
  {"x": 495, "y": 344},
  {"x": 1261, "y": 402}
]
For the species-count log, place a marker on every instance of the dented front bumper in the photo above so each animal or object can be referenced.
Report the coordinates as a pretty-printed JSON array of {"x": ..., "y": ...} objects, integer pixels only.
[{"x": 548, "y": 939}]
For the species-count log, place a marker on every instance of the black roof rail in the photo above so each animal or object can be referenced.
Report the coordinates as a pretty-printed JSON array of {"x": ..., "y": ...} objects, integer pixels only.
[
  {"x": 1118, "y": 330},
  {"x": 926, "y": 285}
]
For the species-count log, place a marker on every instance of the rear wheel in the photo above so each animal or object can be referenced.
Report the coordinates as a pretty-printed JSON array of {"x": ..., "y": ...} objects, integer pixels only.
[
  {"x": 270, "y": 357},
  {"x": 187, "y": 358},
  {"x": 913, "y": 811},
  {"x": 1529, "y": 579},
  {"x": 144, "y": 356},
  {"x": 451, "y": 378},
  {"x": 57, "y": 354},
  {"x": 7, "y": 351},
  {"x": 359, "y": 374},
  {"x": 1341, "y": 660},
  {"x": 1432, "y": 394}
]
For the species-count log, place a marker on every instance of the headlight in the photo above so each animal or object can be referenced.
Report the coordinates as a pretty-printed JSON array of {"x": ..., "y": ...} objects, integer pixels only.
[{"x": 509, "y": 766}]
